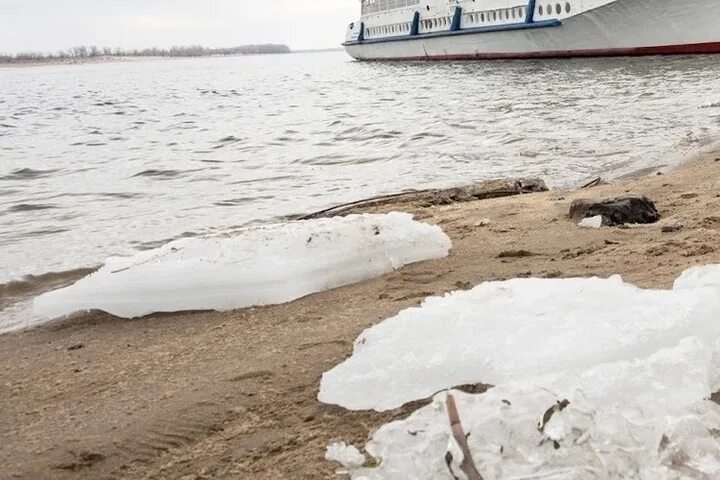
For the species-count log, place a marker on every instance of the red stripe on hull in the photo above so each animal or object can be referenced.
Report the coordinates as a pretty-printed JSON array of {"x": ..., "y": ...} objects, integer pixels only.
[{"x": 697, "y": 48}]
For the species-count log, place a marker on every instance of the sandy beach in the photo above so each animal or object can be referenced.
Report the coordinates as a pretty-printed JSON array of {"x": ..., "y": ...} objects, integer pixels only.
[{"x": 233, "y": 395}]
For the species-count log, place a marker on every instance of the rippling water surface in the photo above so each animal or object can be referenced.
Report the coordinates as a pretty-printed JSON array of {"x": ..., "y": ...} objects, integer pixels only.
[{"x": 102, "y": 160}]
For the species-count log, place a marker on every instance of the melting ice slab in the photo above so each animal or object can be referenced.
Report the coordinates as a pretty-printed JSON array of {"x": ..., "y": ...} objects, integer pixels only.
[
  {"x": 253, "y": 267},
  {"x": 502, "y": 331},
  {"x": 624, "y": 427},
  {"x": 635, "y": 366}
]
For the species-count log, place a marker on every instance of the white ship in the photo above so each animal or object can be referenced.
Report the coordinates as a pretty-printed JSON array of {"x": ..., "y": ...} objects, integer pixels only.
[{"x": 505, "y": 29}]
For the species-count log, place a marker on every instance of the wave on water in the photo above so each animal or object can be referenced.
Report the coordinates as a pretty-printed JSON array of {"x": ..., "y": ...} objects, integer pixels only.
[
  {"x": 28, "y": 174},
  {"x": 234, "y": 202},
  {"x": 160, "y": 174},
  {"x": 30, "y": 207},
  {"x": 32, "y": 285}
]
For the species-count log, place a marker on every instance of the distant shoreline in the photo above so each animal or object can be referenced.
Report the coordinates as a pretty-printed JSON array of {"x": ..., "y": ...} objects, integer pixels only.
[
  {"x": 129, "y": 58},
  {"x": 82, "y": 55}
]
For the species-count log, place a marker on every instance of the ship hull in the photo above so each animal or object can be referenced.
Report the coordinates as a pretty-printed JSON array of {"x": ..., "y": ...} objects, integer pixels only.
[{"x": 620, "y": 28}]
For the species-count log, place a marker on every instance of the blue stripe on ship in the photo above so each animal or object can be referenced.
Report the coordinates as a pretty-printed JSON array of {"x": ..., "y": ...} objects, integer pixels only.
[{"x": 464, "y": 31}]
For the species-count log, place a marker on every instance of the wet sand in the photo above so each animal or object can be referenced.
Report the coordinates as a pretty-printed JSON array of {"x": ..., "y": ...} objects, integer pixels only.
[{"x": 232, "y": 395}]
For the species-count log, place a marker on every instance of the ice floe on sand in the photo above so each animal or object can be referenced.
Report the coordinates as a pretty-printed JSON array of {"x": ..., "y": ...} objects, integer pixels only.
[
  {"x": 632, "y": 369},
  {"x": 252, "y": 267}
]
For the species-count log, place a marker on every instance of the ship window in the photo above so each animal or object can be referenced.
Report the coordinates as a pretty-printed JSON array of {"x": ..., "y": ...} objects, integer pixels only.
[
  {"x": 567, "y": 7},
  {"x": 558, "y": 9},
  {"x": 549, "y": 9},
  {"x": 494, "y": 15},
  {"x": 482, "y": 17},
  {"x": 541, "y": 10}
]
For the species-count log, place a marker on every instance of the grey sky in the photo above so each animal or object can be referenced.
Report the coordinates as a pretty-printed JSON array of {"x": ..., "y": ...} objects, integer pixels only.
[{"x": 50, "y": 25}]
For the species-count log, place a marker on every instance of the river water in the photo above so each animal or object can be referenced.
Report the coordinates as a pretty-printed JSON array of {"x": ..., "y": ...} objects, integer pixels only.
[{"x": 107, "y": 159}]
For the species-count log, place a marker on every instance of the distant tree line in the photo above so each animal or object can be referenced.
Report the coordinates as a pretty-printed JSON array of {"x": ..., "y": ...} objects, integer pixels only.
[{"x": 81, "y": 53}]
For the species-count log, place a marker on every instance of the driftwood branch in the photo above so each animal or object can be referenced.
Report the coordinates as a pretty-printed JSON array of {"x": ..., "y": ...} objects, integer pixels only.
[
  {"x": 430, "y": 197},
  {"x": 468, "y": 464},
  {"x": 593, "y": 183}
]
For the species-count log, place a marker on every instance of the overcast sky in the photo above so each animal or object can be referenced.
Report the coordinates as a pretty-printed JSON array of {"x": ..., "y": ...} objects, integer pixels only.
[{"x": 51, "y": 25}]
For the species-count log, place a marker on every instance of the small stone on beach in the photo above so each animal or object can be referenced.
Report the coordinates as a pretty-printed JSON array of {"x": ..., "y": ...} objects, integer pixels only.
[
  {"x": 672, "y": 225},
  {"x": 515, "y": 254}
]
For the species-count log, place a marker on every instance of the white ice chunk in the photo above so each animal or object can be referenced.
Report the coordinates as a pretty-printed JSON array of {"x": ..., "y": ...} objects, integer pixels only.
[
  {"x": 344, "y": 454},
  {"x": 506, "y": 331},
  {"x": 641, "y": 419},
  {"x": 698, "y": 277},
  {"x": 255, "y": 266},
  {"x": 591, "y": 222}
]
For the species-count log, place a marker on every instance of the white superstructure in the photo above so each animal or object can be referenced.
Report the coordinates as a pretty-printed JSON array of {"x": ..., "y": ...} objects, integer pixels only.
[{"x": 490, "y": 29}]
